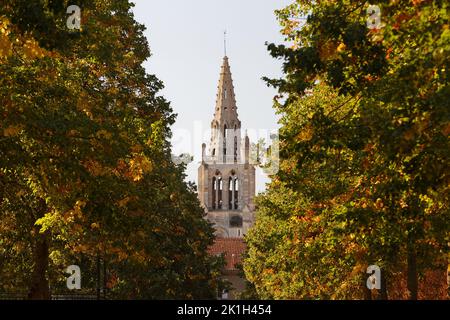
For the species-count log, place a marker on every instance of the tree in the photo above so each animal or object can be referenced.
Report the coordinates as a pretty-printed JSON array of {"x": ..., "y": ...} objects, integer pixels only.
[
  {"x": 367, "y": 159},
  {"x": 85, "y": 159}
]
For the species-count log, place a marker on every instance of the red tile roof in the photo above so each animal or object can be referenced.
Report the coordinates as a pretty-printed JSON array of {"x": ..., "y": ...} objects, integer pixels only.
[{"x": 233, "y": 248}]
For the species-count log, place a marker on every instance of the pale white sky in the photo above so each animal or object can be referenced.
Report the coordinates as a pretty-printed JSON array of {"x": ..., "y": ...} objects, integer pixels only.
[{"x": 186, "y": 41}]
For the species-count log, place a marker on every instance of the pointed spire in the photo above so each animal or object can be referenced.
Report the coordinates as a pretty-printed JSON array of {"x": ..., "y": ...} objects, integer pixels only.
[
  {"x": 226, "y": 109},
  {"x": 226, "y": 127}
]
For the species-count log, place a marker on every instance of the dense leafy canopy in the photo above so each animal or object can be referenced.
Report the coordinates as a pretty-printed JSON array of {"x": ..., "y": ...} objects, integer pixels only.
[
  {"x": 365, "y": 154},
  {"x": 85, "y": 167}
]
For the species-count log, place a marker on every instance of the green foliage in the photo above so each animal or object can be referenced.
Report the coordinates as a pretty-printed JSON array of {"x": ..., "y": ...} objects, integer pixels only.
[
  {"x": 364, "y": 152},
  {"x": 85, "y": 159}
]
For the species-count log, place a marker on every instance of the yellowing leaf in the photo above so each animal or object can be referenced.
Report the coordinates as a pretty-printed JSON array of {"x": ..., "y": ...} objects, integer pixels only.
[
  {"x": 341, "y": 47},
  {"x": 94, "y": 168},
  {"x": 5, "y": 46},
  {"x": 306, "y": 134},
  {"x": 32, "y": 50},
  {"x": 95, "y": 225},
  {"x": 5, "y": 43},
  {"x": 12, "y": 131},
  {"x": 122, "y": 203},
  {"x": 139, "y": 165},
  {"x": 122, "y": 255},
  {"x": 4, "y": 23}
]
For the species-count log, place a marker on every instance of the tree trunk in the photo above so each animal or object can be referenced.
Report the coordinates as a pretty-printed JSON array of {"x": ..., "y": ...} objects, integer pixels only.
[
  {"x": 39, "y": 288},
  {"x": 413, "y": 282}
]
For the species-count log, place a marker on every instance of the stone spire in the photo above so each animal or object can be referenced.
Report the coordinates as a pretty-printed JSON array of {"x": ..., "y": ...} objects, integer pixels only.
[
  {"x": 226, "y": 109},
  {"x": 226, "y": 127}
]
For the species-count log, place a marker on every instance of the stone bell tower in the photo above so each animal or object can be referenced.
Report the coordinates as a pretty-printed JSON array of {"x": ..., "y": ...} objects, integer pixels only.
[{"x": 226, "y": 180}]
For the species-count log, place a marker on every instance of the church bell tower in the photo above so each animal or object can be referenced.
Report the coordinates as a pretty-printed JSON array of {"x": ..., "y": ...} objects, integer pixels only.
[{"x": 226, "y": 179}]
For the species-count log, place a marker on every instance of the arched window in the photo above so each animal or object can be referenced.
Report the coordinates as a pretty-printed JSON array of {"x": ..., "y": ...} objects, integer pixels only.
[
  {"x": 236, "y": 222},
  {"x": 220, "y": 188},
  {"x": 214, "y": 193},
  {"x": 235, "y": 195},
  {"x": 233, "y": 191},
  {"x": 230, "y": 191},
  {"x": 217, "y": 188}
]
